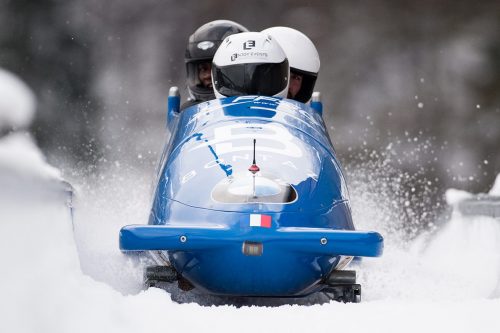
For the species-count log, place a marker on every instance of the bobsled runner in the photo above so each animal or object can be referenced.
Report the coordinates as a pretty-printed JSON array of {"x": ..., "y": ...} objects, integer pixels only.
[{"x": 250, "y": 200}]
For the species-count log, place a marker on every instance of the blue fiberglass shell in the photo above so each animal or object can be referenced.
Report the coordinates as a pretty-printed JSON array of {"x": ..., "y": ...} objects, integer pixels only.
[{"x": 209, "y": 209}]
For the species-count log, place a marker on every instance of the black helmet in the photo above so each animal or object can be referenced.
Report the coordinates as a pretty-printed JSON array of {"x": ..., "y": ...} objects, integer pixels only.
[{"x": 201, "y": 48}]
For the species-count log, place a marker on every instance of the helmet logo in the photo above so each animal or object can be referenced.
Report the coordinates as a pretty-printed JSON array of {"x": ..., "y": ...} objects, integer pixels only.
[
  {"x": 234, "y": 56},
  {"x": 249, "y": 44},
  {"x": 205, "y": 45}
]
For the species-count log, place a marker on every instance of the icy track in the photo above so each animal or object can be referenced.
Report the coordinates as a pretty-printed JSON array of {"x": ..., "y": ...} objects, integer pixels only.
[{"x": 56, "y": 279}]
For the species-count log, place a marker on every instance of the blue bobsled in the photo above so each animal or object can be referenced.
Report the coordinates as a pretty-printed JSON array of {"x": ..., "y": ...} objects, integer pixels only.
[{"x": 251, "y": 201}]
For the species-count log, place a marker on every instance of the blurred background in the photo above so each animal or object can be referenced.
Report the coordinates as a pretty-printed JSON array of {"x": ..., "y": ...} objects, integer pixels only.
[{"x": 409, "y": 87}]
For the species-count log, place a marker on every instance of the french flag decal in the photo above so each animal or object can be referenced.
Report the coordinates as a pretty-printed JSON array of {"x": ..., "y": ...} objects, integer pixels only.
[{"x": 259, "y": 220}]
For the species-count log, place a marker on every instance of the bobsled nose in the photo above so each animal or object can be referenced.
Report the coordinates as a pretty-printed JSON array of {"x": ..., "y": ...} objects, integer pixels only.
[
  {"x": 316, "y": 241},
  {"x": 260, "y": 262}
]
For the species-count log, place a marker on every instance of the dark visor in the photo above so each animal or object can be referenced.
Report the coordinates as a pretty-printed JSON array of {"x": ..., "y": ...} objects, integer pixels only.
[{"x": 265, "y": 79}]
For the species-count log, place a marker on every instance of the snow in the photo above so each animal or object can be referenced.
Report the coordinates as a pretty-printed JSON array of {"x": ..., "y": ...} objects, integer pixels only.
[
  {"x": 19, "y": 155},
  {"x": 454, "y": 196},
  {"x": 59, "y": 276},
  {"x": 17, "y": 102},
  {"x": 65, "y": 279},
  {"x": 495, "y": 190}
]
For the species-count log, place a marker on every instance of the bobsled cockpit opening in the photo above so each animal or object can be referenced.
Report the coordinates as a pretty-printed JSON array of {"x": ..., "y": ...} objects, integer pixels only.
[{"x": 253, "y": 189}]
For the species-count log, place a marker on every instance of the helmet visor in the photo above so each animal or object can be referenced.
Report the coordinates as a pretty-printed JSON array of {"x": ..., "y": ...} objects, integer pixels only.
[
  {"x": 306, "y": 89},
  {"x": 199, "y": 80},
  {"x": 267, "y": 79}
]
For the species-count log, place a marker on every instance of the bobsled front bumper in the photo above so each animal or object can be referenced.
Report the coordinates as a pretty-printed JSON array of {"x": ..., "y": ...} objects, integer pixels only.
[{"x": 317, "y": 241}]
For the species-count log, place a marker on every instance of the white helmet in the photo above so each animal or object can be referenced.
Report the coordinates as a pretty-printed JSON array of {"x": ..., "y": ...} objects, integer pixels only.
[
  {"x": 302, "y": 56},
  {"x": 250, "y": 63}
]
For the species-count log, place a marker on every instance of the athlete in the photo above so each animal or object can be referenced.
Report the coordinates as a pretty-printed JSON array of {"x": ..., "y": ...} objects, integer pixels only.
[
  {"x": 303, "y": 58},
  {"x": 250, "y": 63},
  {"x": 200, "y": 51}
]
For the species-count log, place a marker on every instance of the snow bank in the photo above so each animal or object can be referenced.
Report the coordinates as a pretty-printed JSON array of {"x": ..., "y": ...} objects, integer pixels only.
[
  {"x": 17, "y": 102},
  {"x": 495, "y": 190},
  {"x": 454, "y": 196},
  {"x": 459, "y": 263},
  {"x": 20, "y": 157}
]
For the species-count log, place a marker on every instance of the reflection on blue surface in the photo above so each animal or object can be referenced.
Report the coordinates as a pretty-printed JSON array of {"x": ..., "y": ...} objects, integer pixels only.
[
  {"x": 258, "y": 186},
  {"x": 227, "y": 168}
]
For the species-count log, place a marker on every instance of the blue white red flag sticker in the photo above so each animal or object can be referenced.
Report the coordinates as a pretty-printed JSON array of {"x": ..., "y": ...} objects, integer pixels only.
[{"x": 259, "y": 220}]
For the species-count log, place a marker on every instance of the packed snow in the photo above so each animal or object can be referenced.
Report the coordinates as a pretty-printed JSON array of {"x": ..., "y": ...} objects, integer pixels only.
[
  {"x": 64, "y": 274},
  {"x": 495, "y": 190},
  {"x": 17, "y": 102},
  {"x": 20, "y": 155}
]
